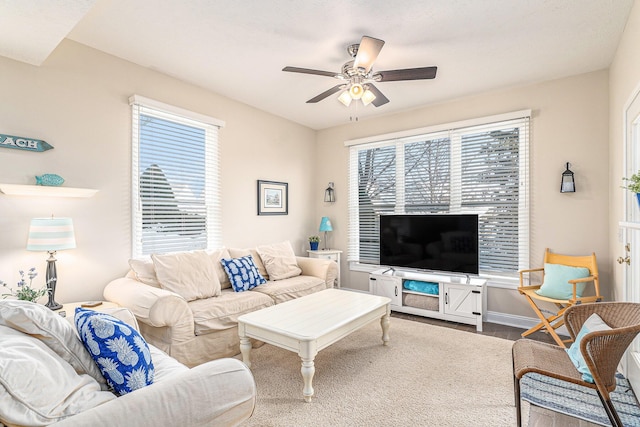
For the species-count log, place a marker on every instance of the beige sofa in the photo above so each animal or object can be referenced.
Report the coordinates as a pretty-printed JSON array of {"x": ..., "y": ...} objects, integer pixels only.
[
  {"x": 195, "y": 329},
  {"x": 49, "y": 378}
]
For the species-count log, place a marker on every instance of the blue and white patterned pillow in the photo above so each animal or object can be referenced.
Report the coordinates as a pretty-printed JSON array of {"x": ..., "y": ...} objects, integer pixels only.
[
  {"x": 120, "y": 352},
  {"x": 243, "y": 273}
]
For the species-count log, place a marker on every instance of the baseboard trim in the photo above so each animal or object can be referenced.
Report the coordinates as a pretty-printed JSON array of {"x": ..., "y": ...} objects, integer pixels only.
[{"x": 518, "y": 321}]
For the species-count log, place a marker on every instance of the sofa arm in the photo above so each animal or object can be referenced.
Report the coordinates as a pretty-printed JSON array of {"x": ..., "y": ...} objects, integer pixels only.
[
  {"x": 221, "y": 392},
  {"x": 325, "y": 269},
  {"x": 153, "y": 306}
]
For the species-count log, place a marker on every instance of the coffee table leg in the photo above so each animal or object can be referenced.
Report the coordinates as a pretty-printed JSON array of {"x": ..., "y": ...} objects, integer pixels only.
[
  {"x": 245, "y": 349},
  {"x": 308, "y": 370},
  {"x": 307, "y": 352},
  {"x": 384, "y": 322}
]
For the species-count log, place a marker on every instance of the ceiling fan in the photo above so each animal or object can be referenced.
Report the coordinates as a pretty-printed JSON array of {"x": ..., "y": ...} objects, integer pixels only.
[{"x": 358, "y": 76}]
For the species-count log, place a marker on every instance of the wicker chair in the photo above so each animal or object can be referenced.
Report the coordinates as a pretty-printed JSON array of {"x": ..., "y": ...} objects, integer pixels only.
[{"x": 602, "y": 351}]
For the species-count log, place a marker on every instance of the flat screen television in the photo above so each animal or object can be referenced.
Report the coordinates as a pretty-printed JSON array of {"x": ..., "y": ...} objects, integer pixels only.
[{"x": 439, "y": 242}]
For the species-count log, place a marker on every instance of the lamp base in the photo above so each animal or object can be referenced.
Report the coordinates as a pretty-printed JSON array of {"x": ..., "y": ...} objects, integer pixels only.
[{"x": 52, "y": 305}]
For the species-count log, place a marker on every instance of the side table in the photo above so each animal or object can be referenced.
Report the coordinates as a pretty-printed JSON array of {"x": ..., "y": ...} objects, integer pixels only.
[
  {"x": 332, "y": 254},
  {"x": 70, "y": 308}
]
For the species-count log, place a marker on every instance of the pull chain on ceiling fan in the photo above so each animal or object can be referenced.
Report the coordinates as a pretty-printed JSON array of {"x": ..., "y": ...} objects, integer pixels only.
[{"x": 358, "y": 75}]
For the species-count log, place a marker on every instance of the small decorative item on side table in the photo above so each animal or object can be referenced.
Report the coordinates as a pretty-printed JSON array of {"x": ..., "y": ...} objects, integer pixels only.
[
  {"x": 68, "y": 310},
  {"x": 332, "y": 254},
  {"x": 313, "y": 242}
]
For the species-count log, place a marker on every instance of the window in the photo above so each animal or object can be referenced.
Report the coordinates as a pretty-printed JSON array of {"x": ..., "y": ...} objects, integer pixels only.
[
  {"x": 478, "y": 166},
  {"x": 175, "y": 188}
]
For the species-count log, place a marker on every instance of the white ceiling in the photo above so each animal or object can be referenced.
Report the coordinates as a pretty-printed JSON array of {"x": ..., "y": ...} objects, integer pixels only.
[{"x": 238, "y": 48}]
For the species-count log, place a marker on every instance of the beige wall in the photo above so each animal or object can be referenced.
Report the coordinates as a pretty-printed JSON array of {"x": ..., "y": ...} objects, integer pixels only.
[
  {"x": 624, "y": 82},
  {"x": 78, "y": 102},
  {"x": 569, "y": 124}
]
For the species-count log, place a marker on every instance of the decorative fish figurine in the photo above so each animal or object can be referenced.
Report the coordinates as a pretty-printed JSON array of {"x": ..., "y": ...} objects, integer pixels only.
[{"x": 49, "y": 179}]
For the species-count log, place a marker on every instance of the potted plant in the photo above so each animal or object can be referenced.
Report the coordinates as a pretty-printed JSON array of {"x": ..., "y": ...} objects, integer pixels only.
[
  {"x": 25, "y": 292},
  {"x": 633, "y": 185},
  {"x": 313, "y": 242}
]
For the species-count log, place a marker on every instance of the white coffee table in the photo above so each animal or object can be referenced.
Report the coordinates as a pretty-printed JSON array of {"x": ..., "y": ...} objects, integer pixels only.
[{"x": 311, "y": 323}]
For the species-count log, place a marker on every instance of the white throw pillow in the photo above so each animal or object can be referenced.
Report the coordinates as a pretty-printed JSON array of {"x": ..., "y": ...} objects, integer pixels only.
[
  {"x": 239, "y": 253},
  {"x": 144, "y": 271},
  {"x": 37, "y": 387},
  {"x": 53, "y": 330},
  {"x": 279, "y": 260},
  {"x": 216, "y": 256},
  {"x": 189, "y": 274}
]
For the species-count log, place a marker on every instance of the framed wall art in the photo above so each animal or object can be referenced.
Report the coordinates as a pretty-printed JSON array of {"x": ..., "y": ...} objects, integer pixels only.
[{"x": 273, "y": 198}]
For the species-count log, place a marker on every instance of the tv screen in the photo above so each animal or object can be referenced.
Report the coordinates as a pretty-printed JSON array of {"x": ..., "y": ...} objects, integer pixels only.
[{"x": 447, "y": 243}]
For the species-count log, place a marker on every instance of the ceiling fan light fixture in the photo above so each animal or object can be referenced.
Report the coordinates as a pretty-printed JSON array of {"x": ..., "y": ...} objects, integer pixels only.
[
  {"x": 345, "y": 98},
  {"x": 356, "y": 90},
  {"x": 367, "y": 97}
]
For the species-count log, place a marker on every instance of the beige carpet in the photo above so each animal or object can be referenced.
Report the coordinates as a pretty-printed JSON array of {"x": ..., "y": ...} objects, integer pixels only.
[{"x": 427, "y": 376}]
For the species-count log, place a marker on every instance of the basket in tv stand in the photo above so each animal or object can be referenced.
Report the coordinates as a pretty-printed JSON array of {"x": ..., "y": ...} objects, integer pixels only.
[{"x": 459, "y": 298}]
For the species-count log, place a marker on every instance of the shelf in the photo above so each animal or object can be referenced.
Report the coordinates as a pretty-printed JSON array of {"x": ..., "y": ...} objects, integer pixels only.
[{"x": 45, "y": 191}]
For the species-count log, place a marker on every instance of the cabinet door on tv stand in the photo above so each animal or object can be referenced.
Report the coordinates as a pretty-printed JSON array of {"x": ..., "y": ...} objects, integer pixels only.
[
  {"x": 463, "y": 300},
  {"x": 390, "y": 287}
]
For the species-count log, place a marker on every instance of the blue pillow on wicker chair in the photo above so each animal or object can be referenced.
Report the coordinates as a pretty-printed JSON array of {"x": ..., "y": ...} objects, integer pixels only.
[
  {"x": 120, "y": 352},
  {"x": 243, "y": 273},
  {"x": 592, "y": 324},
  {"x": 556, "y": 281}
]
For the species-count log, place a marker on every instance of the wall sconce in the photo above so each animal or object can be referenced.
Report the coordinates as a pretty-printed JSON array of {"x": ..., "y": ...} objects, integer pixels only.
[
  {"x": 330, "y": 194},
  {"x": 568, "y": 184}
]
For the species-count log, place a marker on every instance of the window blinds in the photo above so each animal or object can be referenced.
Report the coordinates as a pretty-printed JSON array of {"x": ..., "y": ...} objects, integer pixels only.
[
  {"x": 480, "y": 168},
  {"x": 176, "y": 189}
]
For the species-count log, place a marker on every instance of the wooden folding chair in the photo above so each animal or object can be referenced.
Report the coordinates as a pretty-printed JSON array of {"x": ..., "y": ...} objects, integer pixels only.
[{"x": 554, "y": 319}]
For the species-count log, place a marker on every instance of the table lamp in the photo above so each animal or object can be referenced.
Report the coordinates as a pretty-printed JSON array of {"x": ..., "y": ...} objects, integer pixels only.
[
  {"x": 325, "y": 225},
  {"x": 51, "y": 235}
]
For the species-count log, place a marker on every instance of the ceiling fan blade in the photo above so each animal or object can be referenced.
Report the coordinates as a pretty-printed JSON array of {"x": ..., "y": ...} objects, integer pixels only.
[
  {"x": 325, "y": 94},
  {"x": 309, "y": 71},
  {"x": 408, "y": 74},
  {"x": 380, "y": 98},
  {"x": 367, "y": 52}
]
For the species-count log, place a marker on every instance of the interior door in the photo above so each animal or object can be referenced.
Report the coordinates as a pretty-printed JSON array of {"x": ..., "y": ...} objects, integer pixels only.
[{"x": 631, "y": 233}]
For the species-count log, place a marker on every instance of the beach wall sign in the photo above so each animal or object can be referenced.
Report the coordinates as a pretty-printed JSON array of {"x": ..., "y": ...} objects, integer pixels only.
[{"x": 22, "y": 143}]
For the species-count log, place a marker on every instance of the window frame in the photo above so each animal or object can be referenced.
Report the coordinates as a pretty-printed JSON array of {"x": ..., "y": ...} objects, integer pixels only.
[
  {"x": 149, "y": 107},
  {"x": 456, "y": 129}
]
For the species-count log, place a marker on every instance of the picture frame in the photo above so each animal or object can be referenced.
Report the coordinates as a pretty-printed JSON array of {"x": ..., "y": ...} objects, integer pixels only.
[{"x": 273, "y": 198}]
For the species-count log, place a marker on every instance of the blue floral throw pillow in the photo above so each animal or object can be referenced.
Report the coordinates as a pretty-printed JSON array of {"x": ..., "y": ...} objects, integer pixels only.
[
  {"x": 243, "y": 273},
  {"x": 120, "y": 352}
]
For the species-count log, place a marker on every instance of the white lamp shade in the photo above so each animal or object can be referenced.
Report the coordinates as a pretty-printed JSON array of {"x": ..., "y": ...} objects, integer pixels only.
[
  {"x": 356, "y": 91},
  {"x": 51, "y": 234},
  {"x": 368, "y": 97},
  {"x": 345, "y": 98}
]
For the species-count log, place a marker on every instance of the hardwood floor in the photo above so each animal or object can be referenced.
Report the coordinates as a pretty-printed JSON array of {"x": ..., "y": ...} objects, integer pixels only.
[{"x": 491, "y": 329}]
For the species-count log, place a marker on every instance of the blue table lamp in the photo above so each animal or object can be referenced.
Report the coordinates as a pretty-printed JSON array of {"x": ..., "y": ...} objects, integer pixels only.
[{"x": 325, "y": 225}]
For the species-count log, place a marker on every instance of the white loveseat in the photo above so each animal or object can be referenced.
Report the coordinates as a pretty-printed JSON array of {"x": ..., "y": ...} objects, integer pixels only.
[
  {"x": 47, "y": 377},
  {"x": 195, "y": 329}
]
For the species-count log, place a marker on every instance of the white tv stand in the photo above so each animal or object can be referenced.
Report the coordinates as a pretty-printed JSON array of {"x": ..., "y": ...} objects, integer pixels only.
[{"x": 459, "y": 298}]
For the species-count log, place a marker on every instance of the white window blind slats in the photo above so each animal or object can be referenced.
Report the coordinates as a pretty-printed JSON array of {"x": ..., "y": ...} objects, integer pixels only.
[
  {"x": 479, "y": 169},
  {"x": 175, "y": 182}
]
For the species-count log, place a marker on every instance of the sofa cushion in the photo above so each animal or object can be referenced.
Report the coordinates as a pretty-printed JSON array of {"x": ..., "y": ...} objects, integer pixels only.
[
  {"x": 119, "y": 350},
  {"x": 243, "y": 273},
  {"x": 294, "y": 287},
  {"x": 215, "y": 314},
  {"x": 237, "y": 253},
  {"x": 191, "y": 275},
  {"x": 279, "y": 260},
  {"x": 52, "y": 330},
  {"x": 216, "y": 256},
  {"x": 144, "y": 271},
  {"x": 38, "y": 387}
]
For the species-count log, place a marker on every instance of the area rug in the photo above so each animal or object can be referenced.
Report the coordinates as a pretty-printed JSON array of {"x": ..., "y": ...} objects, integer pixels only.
[
  {"x": 580, "y": 402},
  {"x": 426, "y": 376}
]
